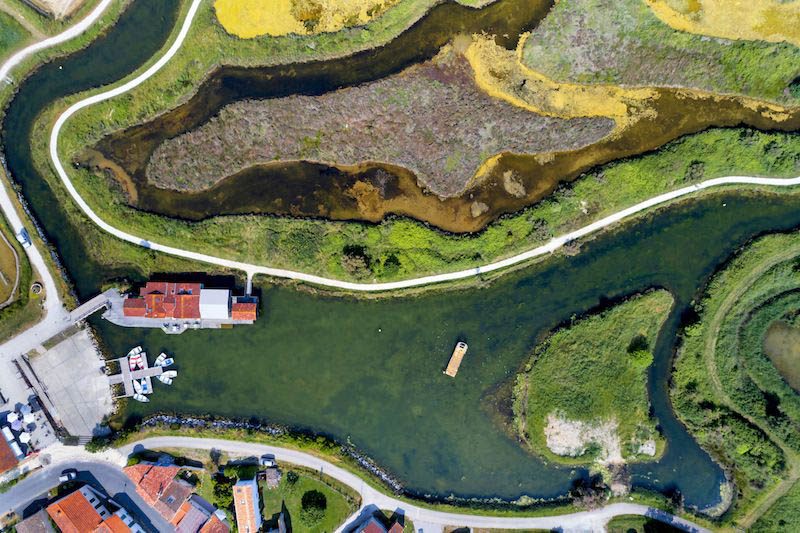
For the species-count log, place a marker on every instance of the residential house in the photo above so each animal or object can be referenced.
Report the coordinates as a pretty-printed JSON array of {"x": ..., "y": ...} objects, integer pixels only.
[
  {"x": 87, "y": 511},
  {"x": 8, "y": 456},
  {"x": 188, "y": 301},
  {"x": 36, "y": 523},
  {"x": 160, "y": 487},
  {"x": 247, "y": 506},
  {"x": 196, "y": 515},
  {"x": 374, "y": 525}
]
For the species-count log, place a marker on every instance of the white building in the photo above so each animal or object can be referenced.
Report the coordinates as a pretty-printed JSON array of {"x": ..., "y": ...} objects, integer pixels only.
[{"x": 215, "y": 304}]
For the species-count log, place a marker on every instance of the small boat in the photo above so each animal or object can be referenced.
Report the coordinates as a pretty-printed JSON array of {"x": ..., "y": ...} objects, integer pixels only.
[
  {"x": 171, "y": 374},
  {"x": 134, "y": 361},
  {"x": 137, "y": 386},
  {"x": 168, "y": 361},
  {"x": 141, "y": 398},
  {"x": 160, "y": 359},
  {"x": 135, "y": 350},
  {"x": 142, "y": 361},
  {"x": 163, "y": 378}
]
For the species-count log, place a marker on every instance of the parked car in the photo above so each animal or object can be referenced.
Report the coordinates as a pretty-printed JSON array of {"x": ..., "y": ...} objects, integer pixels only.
[
  {"x": 68, "y": 475},
  {"x": 23, "y": 238},
  {"x": 267, "y": 460}
]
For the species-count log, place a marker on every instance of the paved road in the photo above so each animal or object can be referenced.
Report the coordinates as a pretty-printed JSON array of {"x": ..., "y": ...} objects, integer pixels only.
[
  {"x": 56, "y": 318},
  {"x": 584, "y": 521},
  {"x": 31, "y": 493}
]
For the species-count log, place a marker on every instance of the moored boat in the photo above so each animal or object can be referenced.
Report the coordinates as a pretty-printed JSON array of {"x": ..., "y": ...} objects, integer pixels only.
[
  {"x": 141, "y": 398},
  {"x": 137, "y": 386},
  {"x": 142, "y": 362},
  {"x": 134, "y": 361},
  {"x": 163, "y": 378},
  {"x": 168, "y": 361},
  {"x": 170, "y": 374},
  {"x": 160, "y": 359}
]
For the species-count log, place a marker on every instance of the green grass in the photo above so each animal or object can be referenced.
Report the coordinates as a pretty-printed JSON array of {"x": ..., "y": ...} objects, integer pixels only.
[
  {"x": 784, "y": 515},
  {"x": 638, "y": 524},
  {"x": 594, "y": 370},
  {"x": 12, "y": 35},
  {"x": 749, "y": 431},
  {"x": 341, "y": 502},
  {"x": 623, "y": 42}
]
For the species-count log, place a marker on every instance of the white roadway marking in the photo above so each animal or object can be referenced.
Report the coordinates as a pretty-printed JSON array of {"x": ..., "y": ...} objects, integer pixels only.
[{"x": 252, "y": 269}]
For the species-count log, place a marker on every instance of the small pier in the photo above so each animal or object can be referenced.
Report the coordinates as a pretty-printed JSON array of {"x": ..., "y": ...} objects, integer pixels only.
[
  {"x": 455, "y": 359},
  {"x": 127, "y": 376}
]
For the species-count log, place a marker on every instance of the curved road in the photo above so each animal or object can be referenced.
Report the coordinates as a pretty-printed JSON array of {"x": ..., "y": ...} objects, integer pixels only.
[{"x": 108, "y": 474}]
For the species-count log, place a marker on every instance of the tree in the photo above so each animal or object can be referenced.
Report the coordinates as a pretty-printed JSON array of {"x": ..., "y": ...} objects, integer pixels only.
[
  {"x": 292, "y": 477},
  {"x": 223, "y": 491},
  {"x": 312, "y": 507}
]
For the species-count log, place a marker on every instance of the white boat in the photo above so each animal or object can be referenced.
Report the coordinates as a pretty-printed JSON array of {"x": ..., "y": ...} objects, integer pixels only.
[
  {"x": 168, "y": 361},
  {"x": 137, "y": 386},
  {"x": 145, "y": 388},
  {"x": 141, "y": 398},
  {"x": 164, "y": 379},
  {"x": 135, "y": 350},
  {"x": 171, "y": 374},
  {"x": 160, "y": 359}
]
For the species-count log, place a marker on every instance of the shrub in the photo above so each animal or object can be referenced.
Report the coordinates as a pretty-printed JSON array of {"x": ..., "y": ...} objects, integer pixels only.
[{"x": 312, "y": 507}]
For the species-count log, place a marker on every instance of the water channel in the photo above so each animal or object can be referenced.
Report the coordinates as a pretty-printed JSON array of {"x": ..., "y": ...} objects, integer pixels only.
[{"x": 370, "y": 371}]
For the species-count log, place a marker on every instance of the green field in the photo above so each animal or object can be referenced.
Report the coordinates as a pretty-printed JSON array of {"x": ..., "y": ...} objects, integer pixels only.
[
  {"x": 638, "y": 524},
  {"x": 784, "y": 515},
  {"x": 594, "y": 371},
  {"x": 341, "y": 501},
  {"x": 621, "y": 42},
  {"x": 12, "y": 35}
]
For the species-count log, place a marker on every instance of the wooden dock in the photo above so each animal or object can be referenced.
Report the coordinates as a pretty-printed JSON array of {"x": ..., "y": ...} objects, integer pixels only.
[
  {"x": 126, "y": 377},
  {"x": 455, "y": 359}
]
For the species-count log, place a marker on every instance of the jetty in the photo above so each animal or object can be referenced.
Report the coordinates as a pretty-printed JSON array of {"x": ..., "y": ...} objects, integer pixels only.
[
  {"x": 455, "y": 359},
  {"x": 127, "y": 376}
]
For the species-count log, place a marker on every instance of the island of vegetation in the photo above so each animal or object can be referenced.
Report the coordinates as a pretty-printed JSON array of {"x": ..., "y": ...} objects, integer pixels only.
[{"x": 582, "y": 398}]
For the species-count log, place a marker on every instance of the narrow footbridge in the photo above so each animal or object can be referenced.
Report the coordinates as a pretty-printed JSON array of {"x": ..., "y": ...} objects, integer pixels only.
[{"x": 100, "y": 301}]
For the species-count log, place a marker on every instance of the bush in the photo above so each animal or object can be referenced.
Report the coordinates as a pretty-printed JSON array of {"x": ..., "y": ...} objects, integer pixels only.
[
  {"x": 292, "y": 477},
  {"x": 223, "y": 491},
  {"x": 312, "y": 507},
  {"x": 98, "y": 444}
]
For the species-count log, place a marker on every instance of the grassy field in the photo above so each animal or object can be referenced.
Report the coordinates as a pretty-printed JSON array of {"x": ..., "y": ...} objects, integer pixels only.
[
  {"x": 726, "y": 390},
  {"x": 784, "y": 515},
  {"x": 622, "y": 42},
  {"x": 782, "y": 346},
  {"x": 594, "y": 371},
  {"x": 638, "y": 524},
  {"x": 8, "y": 269},
  {"x": 768, "y": 20},
  {"x": 341, "y": 502},
  {"x": 12, "y": 35}
]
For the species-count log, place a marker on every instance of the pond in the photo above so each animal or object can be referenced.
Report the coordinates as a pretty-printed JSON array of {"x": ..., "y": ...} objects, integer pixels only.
[
  {"x": 782, "y": 346},
  {"x": 370, "y": 371}
]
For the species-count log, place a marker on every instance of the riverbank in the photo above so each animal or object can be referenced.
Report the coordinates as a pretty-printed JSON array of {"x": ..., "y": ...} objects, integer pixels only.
[{"x": 726, "y": 391}]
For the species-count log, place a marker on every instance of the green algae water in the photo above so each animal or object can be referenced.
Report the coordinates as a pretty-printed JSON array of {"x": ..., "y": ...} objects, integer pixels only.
[{"x": 371, "y": 371}]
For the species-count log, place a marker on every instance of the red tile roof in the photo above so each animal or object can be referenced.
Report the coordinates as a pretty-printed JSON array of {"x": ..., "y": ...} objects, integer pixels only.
[
  {"x": 134, "y": 307},
  {"x": 182, "y": 510},
  {"x": 396, "y": 528},
  {"x": 8, "y": 459},
  {"x": 74, "y": 514},
  {"x": 113, "y": 524},
  {"x": 214, "y": 525},
  {"x": 151, "y": 480},
  {"x": 372, "y": 526},
  {"x": 161, "y": 299},
  {"x": 244, "y": 505},
  {"x": 243, "y": 311}
]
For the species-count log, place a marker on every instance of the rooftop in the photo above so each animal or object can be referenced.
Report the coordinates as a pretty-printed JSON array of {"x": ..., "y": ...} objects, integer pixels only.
[{"x": 74, "y": 513}]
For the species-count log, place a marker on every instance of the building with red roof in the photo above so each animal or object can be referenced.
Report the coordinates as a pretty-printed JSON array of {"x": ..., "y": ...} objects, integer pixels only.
[
  {"x": 373, "y": 525},
  {"x": 86, "y": 511},
  {"x": 8, "y": 458},
  {"x": 187, "y": 302},
  {"x": 246, "y": 504}
]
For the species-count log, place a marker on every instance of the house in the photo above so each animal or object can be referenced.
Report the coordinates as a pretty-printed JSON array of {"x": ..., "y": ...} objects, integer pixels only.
[
  {"x": 161, "y": 300},
  {"x": 86, "y": 511},
  {"x": 36, "y": 523},
  {"x": 247, "y": 506},
  {"x": 244, "y": 310},
  {"x": 374, "y": 525},
  {"x": 173, "y": 498},
  {"x": 196, "y": 515},
  {"x": 160, "y": 487}
]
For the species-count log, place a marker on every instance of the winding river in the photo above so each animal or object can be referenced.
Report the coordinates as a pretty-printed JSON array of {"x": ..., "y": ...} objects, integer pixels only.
[{"x": 369, "y": 371}]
